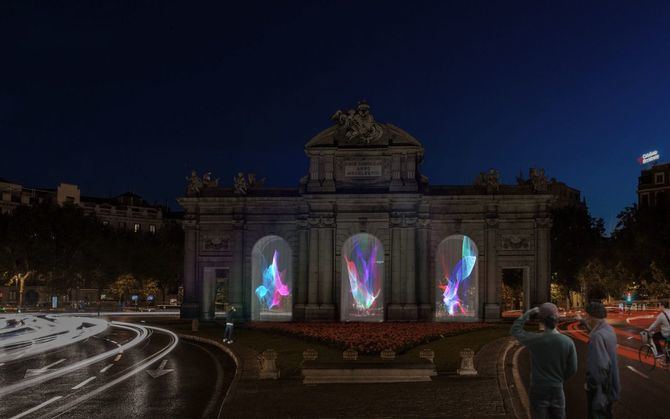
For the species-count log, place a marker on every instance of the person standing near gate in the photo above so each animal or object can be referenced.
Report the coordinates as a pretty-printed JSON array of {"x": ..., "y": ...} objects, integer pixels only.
[
  {"x": 602, "y": 370},
  {"x": 553, "y": 360},
  {"x": 228, "y": 332}
]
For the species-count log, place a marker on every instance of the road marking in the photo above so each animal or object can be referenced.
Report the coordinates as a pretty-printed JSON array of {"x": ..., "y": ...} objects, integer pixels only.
[
  {"x": 106, "y": 368},
  {"x": 118, "y": 357},
  {"x": 1, "y": 364},
  {"x": 637, "y": 372},
  {"x": 39, "y": 406},
  {"x": 159, "y": 371},
  {"x": 136, "y": 368},
  {"x": 141, "y": 331},
  {"x": 31, "y": 372},
  {"x": 83, "y": 383}
]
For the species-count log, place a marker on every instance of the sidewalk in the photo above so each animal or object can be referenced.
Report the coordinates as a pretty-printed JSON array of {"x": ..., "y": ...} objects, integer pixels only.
[{"x": 448, "y": 395}]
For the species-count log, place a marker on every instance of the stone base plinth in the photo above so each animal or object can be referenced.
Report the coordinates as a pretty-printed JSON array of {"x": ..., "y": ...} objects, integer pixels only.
[
  {"x": 315, "y": 372},
  {"x": 400, "y": 312},
  {"x": 425, "y": 311},
  {"x": 319, "y": 312},
  {"x": 189, "y": 311},
  {"x": 492, "y": 312}
]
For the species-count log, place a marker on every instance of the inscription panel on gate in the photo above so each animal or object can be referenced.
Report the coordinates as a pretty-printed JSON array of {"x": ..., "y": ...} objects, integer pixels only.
[{"x": 363, "y": 168}]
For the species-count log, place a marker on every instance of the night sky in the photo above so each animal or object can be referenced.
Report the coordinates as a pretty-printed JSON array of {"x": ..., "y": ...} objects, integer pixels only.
[{"x": 117, "y": 96}]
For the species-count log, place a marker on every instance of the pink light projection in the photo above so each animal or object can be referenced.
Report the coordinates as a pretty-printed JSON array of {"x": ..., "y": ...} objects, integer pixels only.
[{"x": 272, "y": 290}]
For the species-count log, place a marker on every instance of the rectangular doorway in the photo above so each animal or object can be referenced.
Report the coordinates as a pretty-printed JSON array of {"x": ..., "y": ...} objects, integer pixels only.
[{"x": 514, "y": 292}]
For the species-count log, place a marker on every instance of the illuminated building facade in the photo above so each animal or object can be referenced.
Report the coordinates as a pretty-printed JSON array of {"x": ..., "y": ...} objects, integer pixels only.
[
  {"x": 653, "y": 187},
  {"x": 364, "y": 237}
]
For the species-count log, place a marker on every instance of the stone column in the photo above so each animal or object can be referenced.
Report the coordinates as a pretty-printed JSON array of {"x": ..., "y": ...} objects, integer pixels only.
[
  {"x": 326, "y": 307},
  {"x": 410, "y": 307},
  {"x": 190, "y": 308},
  {"x": 492, "y": 303},
  {"x": 237, "y": 277},
  {"x": 394, "y": 302},
  {"x": 303, "y": 269},
  {"x": 424, "y": 277},
  {"x": 312, "y": 307},
  {"x": 542, "y": 265}
]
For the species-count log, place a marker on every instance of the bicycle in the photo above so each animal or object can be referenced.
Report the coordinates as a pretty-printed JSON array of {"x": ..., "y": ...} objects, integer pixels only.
[{"x": 649, "y": 355}]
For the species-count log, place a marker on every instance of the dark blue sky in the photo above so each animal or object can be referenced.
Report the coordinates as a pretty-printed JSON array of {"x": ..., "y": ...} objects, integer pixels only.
[{"x": 132, "y": 95}]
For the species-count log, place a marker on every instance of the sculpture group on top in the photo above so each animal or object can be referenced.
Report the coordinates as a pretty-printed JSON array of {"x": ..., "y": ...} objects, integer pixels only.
[
  {"x": 490, "y": 180},
  {"x": 197, "y": 184},
  {"x": 537, "y": 180},
  {"x": 242, "y": 184},
  {"x": 358, "y": 126}
]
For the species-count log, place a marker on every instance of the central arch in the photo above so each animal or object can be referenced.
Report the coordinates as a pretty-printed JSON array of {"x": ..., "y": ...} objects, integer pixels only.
[{"x": 362, "y": 281}]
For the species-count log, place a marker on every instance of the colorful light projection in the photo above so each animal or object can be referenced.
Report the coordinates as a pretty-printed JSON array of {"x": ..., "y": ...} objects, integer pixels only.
[
  {"x": 272, "y": 280},
  {"x": 273, "y": 289},
  {"x": 362, "y": 278},
  {"x": 456, "y": 267}
]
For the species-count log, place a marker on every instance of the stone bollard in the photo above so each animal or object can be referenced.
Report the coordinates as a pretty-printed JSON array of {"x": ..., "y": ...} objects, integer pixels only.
[
  {"x": 350, "y": 355},
  {"x": 268, "y": 365},
  {"x": 194, "y": 325},
  {"x": 467, "y": 362},
  {"x": 387, "y": 354},
  {"x": 309, "y": 354},
  {"x": 428, "y": 354}
]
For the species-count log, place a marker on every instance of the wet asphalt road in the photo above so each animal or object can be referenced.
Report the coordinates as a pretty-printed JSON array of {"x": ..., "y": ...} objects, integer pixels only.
[
  {"x": 191, "y": 384},
  {"x": 641, "y": 397}
]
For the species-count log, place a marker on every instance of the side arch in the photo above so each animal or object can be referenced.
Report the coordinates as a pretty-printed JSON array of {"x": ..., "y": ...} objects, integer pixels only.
[{"x": 271, "y": 280}]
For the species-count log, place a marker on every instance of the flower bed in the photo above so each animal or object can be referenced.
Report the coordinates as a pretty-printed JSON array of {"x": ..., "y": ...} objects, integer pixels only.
[{"x": 370, "y": 338}]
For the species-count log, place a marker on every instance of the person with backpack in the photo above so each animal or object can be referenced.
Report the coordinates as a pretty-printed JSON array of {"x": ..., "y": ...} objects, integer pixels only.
[
  {"x": 662, "y": 322},
  {"x": 553, "y": 360}
]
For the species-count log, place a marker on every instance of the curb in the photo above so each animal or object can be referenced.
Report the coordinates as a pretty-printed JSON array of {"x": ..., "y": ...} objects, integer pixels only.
[{"x": 227, "y": 350}]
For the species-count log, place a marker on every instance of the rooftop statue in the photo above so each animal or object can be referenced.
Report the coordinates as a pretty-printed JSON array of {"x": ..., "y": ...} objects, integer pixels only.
[
  {"x": 359, "y": 125},
  {"x": 490, "y": 180},
  {"x": 194, "y": 183}
]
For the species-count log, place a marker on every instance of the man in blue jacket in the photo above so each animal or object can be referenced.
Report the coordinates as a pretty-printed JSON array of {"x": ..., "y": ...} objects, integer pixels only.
[
  {"x": 553, "y": 360},
  {"x": 602, "y": 369}
]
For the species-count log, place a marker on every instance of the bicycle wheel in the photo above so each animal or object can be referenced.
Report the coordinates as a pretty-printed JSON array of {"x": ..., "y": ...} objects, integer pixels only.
[{"x": 647, "y": 358}]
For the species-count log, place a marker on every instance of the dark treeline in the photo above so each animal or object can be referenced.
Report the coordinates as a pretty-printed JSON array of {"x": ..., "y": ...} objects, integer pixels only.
[
  {"x": 634, "y": 258},
  {"x": 64, "y": 249}
]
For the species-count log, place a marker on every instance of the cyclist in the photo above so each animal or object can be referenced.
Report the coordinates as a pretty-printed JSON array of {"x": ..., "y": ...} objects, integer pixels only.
[{"x": 663, "y": 323}]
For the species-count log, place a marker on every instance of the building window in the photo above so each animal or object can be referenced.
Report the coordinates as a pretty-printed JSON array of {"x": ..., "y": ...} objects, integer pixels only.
[
  {"x": 105, "y": 223},
  {"x": 659, "y": 178},
  {"x": 152, "y": 229},
  {"x": 645, "y": 199},
  {"x": 136, "y": 228}
]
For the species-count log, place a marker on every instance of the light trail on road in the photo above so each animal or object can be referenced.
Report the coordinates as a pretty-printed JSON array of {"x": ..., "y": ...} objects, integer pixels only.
[{"x": 23, "y": 336}]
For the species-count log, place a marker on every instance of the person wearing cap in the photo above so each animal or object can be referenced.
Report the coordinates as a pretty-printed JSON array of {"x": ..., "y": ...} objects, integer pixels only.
[
  {"x": 553, "y": 360},
  {"x": 602, "y": 370}
]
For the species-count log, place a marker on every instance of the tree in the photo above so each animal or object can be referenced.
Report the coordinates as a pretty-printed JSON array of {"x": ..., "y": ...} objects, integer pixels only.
[
  {"x": 576, "y": 238},
  {"x": 124, "y": 286}
]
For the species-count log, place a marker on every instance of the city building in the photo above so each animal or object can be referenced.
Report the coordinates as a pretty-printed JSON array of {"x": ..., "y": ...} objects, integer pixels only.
[
  {"x": 653, "y": 187},
  {"x": 365, "y": 236},
  {"x": 127, "y": 211}
]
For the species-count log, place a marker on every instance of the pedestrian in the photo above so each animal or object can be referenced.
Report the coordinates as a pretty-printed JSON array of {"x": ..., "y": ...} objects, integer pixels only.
[
  {"x": 602, "y": 370},
  {"x": 662, "y": 322},
  {"x": 228, "y": 332},
  {"x": 553, "y": 360}
]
